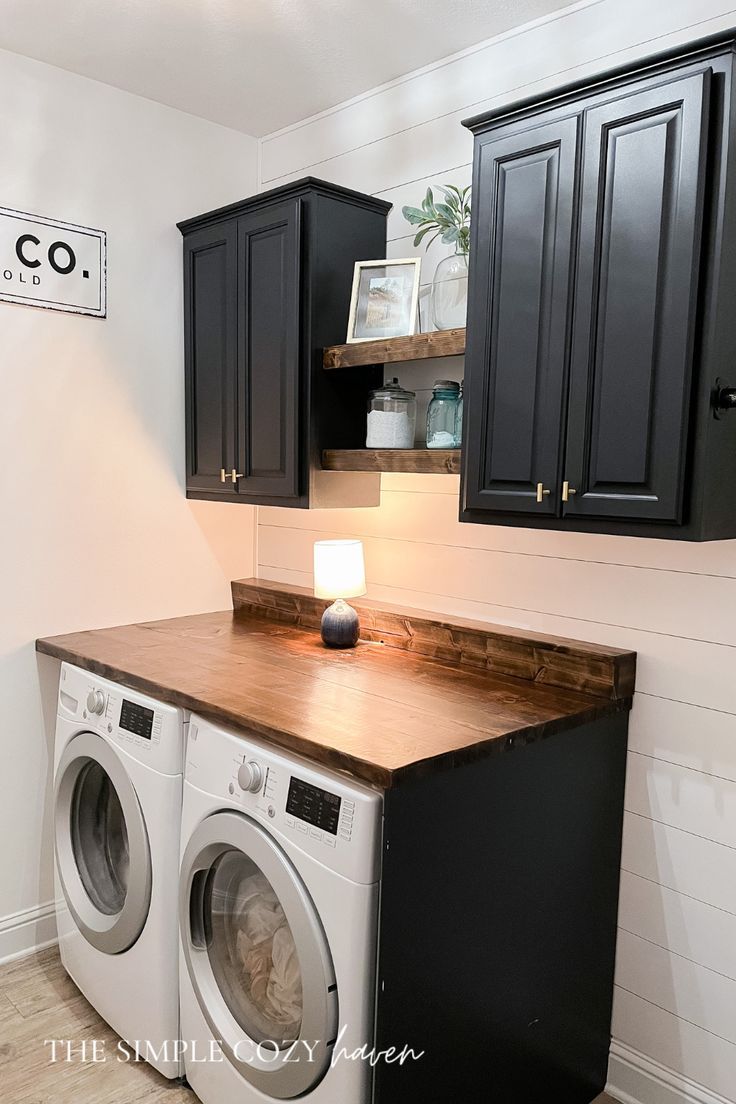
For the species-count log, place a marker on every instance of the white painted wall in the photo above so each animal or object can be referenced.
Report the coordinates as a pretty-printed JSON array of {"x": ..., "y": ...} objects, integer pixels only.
[
  {"x": 94, "y": 525},
  {"x": 675, "y": 604}
]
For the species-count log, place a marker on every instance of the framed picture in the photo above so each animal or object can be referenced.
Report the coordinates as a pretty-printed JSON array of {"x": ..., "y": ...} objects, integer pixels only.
[{"x": 384, "y": 299}]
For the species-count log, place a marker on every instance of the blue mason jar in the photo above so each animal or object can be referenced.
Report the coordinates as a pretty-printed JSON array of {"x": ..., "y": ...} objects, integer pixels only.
[{"x": 442, "y": 415}]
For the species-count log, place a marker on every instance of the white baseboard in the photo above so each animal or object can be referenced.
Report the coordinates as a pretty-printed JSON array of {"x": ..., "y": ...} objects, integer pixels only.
[
  {"x": 27, "y": 931},
  {"x": 635, "y": 1079}
]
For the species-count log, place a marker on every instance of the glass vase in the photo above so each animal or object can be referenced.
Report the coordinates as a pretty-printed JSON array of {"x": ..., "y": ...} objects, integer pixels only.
[{"x": 449, "y": 299}]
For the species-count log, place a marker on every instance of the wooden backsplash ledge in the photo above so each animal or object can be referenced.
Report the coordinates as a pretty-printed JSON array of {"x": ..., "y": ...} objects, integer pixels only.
[{"x": 552, "y": 660}]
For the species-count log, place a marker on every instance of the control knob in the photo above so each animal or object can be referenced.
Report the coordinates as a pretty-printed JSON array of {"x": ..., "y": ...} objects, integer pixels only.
[
  {"x": 250, "y": 777},
  {"x": 96, "y": 702}
]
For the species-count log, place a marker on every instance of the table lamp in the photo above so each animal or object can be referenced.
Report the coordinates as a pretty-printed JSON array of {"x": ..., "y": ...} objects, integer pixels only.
[{"x": 339, "y": 573}]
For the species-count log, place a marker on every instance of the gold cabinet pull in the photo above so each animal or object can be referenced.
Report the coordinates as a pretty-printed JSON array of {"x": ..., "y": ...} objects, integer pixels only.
[
  {"x": 541, "y": 492},
  {"x": 236, "y": 475},
  {"x": 567, "y": 491},
  {"x": 223, "y": 476}
]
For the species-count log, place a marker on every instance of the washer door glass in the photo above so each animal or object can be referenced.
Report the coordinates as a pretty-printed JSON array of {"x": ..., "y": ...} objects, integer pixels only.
[
  {"x": 100, "y": 839},
  {"x": 252, "y": 951},
  {"x": 257, "y": 955},
  {"x": 102, "y": 850}
]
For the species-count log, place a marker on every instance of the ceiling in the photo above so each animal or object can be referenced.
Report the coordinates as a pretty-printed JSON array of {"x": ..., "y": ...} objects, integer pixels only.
[{"x": 254, "y": 65}]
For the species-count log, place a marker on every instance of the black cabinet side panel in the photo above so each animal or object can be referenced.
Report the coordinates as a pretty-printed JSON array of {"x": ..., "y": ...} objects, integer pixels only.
[
  {"x": 498, "y": 924},
  {"x": 714, "y": 471},
  {"x": 636, "y": 296},
  {"x": 340, "y": 234},
  {"x": 518, "y": 316}
]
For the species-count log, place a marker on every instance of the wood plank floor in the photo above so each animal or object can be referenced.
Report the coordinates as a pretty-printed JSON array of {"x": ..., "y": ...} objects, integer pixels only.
[{"x": 39, "y": 1002}]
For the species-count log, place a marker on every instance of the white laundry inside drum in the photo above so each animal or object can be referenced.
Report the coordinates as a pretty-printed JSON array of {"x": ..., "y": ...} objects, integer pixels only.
[{"x": 252, "y": 952}]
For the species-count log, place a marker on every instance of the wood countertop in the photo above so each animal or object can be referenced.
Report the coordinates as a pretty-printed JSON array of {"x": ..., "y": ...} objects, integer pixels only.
[{"x": 418, "y": 693}]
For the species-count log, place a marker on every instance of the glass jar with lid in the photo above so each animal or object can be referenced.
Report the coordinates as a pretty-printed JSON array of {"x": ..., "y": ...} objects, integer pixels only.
[
  {"x": 442, "y": 415},
  {"x": 392, "y": 417},
  {"x": 459, "y": 417}
]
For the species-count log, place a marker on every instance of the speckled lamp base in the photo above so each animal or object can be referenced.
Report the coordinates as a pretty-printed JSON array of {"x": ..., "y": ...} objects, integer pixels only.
[{"x": 340, "y": 625}]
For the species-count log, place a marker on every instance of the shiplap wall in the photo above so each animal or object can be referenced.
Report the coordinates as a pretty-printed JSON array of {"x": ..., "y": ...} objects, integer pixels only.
[{"x": 675, "y": 604}]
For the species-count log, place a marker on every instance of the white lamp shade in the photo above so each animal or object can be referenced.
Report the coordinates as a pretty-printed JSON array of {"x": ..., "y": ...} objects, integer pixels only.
[{"x": 339, "y": 569}]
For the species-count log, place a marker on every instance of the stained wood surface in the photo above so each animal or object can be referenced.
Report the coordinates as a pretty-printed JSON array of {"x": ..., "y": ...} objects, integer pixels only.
[
  {"x": 552, "y": 660},
  {"x": 428, "y": 461},
  {"x": 39, "y": 1001},
  {"x": 419, "y": 347},
  {"x": 378, "y": 712}
]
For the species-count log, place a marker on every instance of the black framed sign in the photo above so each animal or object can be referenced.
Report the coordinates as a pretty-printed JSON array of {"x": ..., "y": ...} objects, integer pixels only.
[{"x": 52, "y": 264}]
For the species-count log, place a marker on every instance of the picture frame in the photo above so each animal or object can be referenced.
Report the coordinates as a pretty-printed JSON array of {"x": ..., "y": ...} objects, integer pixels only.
[{"x": 384, "y": 298}]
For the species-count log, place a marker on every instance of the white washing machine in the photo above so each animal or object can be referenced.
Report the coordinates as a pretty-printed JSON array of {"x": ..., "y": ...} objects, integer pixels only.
[
  {"x": 278, "y": 912},
  {"x": 118, "y": 787}
]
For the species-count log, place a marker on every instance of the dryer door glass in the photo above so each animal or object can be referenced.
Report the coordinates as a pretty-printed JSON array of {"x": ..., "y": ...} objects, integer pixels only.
[
  {"x": 103, "y": 854},
  {"x": 100, "y": 839},
  {"x": 252, "y": 951}
]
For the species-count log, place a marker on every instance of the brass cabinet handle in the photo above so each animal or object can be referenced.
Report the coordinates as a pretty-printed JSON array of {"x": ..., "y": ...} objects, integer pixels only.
[
  {"x": 541, "y": 492},
  {"x": 236, "y": 475},
  {"x": 567, "y": 491},
  {"x": 223, "y": 477}
]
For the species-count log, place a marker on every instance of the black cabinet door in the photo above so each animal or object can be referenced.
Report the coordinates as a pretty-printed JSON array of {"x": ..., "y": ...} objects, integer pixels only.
[
  {"x": 640, "y": 228},
  {"x": 269, "y": 352},
  {"x": 210, "y": 351},
  {"x": 518, "y": 311}
]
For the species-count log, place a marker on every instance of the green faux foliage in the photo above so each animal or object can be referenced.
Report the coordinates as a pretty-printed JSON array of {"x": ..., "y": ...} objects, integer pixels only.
[{"x": 450, "y": 220}]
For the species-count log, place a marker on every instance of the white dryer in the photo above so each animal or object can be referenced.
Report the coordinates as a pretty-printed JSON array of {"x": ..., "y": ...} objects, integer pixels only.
[
  {"x": 118, "y": 786},
  {"x": 278, "y": 910}
]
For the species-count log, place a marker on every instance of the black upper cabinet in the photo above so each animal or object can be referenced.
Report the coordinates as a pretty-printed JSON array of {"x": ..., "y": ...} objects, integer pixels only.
[
  {"x": 266, "y": 286},
  {"x": 524, "y": 224},
  {"x": 268, "y": 350},
  {"x": 210, "y": 278},
  {"x": 638, "y": 260},
  {"x": 603, "y": 273}
]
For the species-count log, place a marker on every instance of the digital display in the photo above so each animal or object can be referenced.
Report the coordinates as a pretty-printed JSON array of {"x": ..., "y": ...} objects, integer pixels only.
[
  {"x": 315, "y": 806},
  {"x": 136, "y": 719}
]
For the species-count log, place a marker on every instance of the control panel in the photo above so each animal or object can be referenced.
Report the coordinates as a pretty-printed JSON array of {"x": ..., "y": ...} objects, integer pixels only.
[
  {"x": 314, "y": 805},
  {"x": 132, "y": 722},
  {"x": 136, "y": 719},
  {"x": 147, "y": 729},
  {"x": 333, "y": 819}
]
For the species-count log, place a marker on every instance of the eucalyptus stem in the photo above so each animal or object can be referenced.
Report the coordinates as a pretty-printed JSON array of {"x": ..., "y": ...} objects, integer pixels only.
[{"x": 448, "y": 219}]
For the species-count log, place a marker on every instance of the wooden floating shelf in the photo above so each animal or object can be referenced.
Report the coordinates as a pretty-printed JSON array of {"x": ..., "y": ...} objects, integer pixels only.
[
  {"x": 440, "y": 343},
  {"x": 424, "y": 461}
]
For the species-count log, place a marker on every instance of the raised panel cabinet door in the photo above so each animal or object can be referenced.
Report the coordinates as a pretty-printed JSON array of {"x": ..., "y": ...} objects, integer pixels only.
[
  {"x": 269, "y": 353},
  {"x": 521, "y": 260},
  {"x": 210, "y": 345},
  {"x": 636, "y": 290}
]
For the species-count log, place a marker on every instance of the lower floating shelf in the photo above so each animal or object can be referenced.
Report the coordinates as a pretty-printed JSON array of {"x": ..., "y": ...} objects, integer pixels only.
[{"x": 423, "y": 460}]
